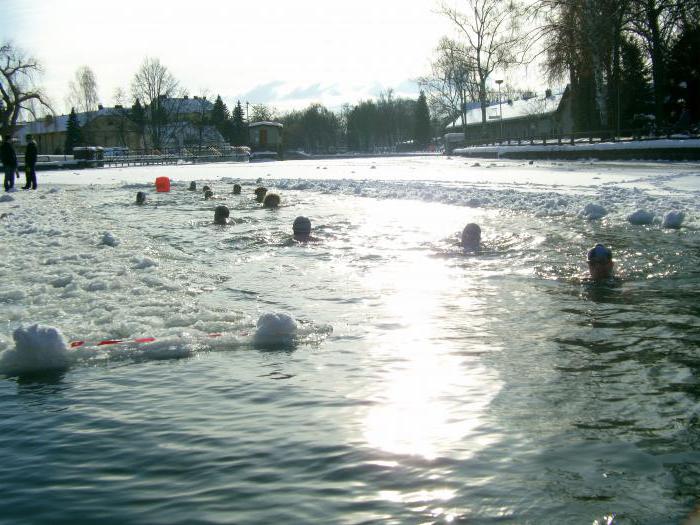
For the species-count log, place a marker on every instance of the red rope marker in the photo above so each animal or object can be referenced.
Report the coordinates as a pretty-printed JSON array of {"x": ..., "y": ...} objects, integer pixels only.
[{"x": 78, "y": 344}]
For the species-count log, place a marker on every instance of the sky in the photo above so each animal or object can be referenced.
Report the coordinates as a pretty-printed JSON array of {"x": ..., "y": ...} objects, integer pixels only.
[{"x": 282, "y": 53}]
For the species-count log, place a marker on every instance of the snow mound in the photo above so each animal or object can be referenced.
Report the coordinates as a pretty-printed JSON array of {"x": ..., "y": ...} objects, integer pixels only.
[
  {"x": 673, "y": 219},
  {"x": 275, "y": 329},
  {"x": 37, "y": 348},
  {"x": 593, "y": 211},
  {"x": 109, "y": 240},
  {"x": 6, "y": 198},
  {"x": 641, "y": 217}
]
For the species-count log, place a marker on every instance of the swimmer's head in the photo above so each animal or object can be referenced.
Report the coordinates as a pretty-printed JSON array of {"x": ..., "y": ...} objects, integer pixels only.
[
  {"x": 600, "y": 262},
  {"x": 260, "y": 193},
  {"x": 193, "y": 186},
  {"x": 205, "y": 189},
  {"x": 140, "y": 197},
  {"x": 272, "y": 200},
  {"x": 208, "y": 194},
  {"x": 236, "y": 189},
  {"x": 471, "y": 236},
  {"x": 301, "y": 227},
  {"x": 221, "y": 214}
]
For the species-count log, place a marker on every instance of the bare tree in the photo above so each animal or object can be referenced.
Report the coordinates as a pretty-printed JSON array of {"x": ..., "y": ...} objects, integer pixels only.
[
  {"x": 82, "y": 91},
  {"x": 261, "y": 112},
  {"x": 452, "y": 82},
  {"x": 18, "y": 88},
  {"x": 493, "y": 39},
  {"x": 154, "y": 85}
]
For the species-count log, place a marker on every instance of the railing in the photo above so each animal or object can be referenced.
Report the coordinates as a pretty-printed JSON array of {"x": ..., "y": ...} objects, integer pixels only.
[
  {"x": 588, "y": 137},
  {"x": 148, "y": 157}
]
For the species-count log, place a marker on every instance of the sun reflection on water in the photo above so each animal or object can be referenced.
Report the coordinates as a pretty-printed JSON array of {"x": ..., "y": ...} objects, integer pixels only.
[{"x": 433, "y": 392}]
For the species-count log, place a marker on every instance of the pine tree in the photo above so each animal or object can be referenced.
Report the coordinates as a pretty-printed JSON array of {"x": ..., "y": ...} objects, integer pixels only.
[
  {"x": 635, "y": 94},
  {"x": 239, "y": 131},
  {"x": 73, "y": 133},
  {"x": 684, "y": 77},
  {"x": 220, "y": 118},
  {"x": 422, "y": 133},
  {"x": 138, "y": 116}
]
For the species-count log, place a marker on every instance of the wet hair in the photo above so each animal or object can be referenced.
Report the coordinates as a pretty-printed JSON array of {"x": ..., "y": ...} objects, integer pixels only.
[
  {"x": 260, "y": 193},
  {"x": 236, "y": 189},
  {"x": 221, "y": 213},
  {"x": 272, "y": 200},
  {"x": 208, "y": 194},
  {"x": 193, "y": 186},
  {"x": 140, "y": 197},
  {"x": 206, "y": 189},
  {"x": 301, "y": 226},
  {"x": 471, "y": 234},
  {"x": 599, "y": 254}
]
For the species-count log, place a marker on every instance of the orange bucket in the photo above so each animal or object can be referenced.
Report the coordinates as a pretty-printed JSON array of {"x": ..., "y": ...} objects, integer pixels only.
[{"x": 162, "y": 184}]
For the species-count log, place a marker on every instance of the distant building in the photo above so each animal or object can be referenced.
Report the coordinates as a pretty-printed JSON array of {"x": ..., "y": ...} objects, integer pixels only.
[
  {"x": 534, "y": 116},
  {"x": 265, "y": 135},
  {"x": 113, "y": 127}
]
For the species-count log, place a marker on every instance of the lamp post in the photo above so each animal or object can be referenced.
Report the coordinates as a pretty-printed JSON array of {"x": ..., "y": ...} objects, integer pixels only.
[{"x": 500, "y": 108}]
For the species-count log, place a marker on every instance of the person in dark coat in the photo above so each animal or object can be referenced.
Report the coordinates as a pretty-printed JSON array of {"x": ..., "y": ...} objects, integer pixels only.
[
  {"x": 9, "y": 161},
  {"x": 30, "y": 155}
]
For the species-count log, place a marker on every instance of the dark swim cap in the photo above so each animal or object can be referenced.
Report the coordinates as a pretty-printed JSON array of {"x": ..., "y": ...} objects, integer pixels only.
[
  {"x": 599, "y": 253},
  {"x": 301, "y": 226}
]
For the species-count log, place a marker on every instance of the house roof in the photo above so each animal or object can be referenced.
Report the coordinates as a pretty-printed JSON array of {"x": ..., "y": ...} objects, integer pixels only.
[
  {"x": 265, "y": 123},
  {"x": 187, "y": 105},
  {"x": 537, "y": 105},
  {"x": 59, "y": 123}
]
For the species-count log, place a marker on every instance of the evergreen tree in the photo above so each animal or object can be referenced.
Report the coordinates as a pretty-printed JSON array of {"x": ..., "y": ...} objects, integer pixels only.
[
  {"x": 138, "y": 116},
  {"x": 220, "y": 118},
  {"x": 239, "y": 128},
  {"x": 635, "y": 94},
  {"x": 422, "y": 133},
  {"x": 73, "y": 133},
  {"x": 684, "y": 78}
]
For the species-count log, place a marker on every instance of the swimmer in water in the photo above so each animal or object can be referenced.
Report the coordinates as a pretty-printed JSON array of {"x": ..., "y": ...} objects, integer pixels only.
[
  {"x": 272, "y": 200},
  {"x": 140, "y": 198},
  {"x": 260, "y": 193},
  {"x": 471, "y": 237},
  {"x": 600, "y": 263},
  {"x": 208, "y": 194},
  {"x": 221, "y": 214},
  {"x": 236, "y": 189},
  {"x": 302, "y": 230},
  {"x": 193, "y": 186}
]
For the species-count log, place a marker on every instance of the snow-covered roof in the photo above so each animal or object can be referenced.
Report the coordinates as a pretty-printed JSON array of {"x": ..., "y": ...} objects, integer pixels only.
[
  {"x": 187, "y": 105},
  {"x": 265, "y": 123},
  {"x": 537, "y": 105}
]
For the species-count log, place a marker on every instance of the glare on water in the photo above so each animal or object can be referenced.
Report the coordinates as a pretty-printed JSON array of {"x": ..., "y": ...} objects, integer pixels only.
[{"x": 421, "y": 383}]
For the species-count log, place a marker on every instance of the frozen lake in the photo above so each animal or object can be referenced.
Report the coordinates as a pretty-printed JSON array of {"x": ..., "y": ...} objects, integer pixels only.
[{"x": 422, "y": 385}]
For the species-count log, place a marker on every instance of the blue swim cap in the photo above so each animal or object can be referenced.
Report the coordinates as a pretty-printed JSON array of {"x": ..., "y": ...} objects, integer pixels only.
[{"x": 599, "y": 253}]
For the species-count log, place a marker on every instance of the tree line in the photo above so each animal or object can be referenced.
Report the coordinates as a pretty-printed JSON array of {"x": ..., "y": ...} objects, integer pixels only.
[
  {"x": 156, "y": 100},
  {"x": 628, "y": 63}
]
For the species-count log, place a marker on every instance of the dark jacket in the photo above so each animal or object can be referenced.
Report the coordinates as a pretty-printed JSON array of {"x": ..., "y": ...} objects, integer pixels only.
[
  {"x": 30, "y": 154},
  {"x": 7, "y": 153}
]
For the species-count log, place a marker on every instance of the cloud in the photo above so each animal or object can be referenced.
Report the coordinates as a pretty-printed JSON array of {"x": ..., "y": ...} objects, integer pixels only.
[
  {"x": 312, "y": 91},
  {"x": 264, "y": 93}
]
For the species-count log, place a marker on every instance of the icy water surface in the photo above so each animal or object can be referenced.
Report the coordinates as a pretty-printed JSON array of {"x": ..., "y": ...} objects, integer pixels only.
[{"x": 423, "y": 385}]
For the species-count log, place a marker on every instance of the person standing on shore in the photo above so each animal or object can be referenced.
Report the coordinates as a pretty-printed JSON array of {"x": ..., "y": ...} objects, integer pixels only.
[
  {"x": 30, "y": 155},
  {"x": 9, "y": 161}
]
